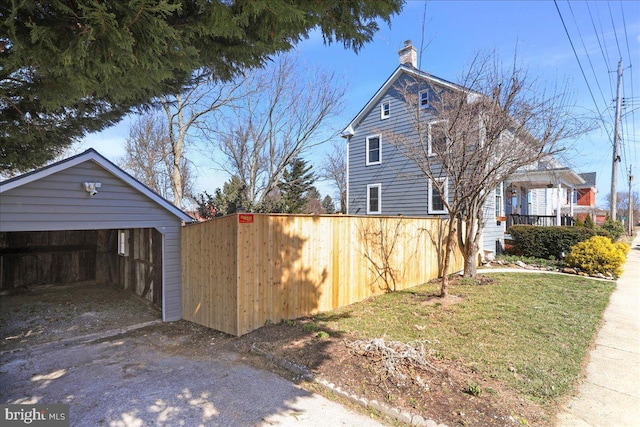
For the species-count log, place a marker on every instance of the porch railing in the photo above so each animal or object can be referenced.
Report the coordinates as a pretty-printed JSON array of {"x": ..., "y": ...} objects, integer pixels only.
[{"x": 539, "y": 220}]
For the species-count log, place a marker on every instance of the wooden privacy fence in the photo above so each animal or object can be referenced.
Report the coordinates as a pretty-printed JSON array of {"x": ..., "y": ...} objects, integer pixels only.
[{"x": 245, "y": 270}]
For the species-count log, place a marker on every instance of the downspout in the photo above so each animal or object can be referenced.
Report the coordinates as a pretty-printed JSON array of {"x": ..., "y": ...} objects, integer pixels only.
[{"x": 346, "y": 202}]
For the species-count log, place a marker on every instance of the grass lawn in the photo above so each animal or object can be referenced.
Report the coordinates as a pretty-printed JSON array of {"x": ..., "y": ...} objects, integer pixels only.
[{"x": 531, "y": 331}]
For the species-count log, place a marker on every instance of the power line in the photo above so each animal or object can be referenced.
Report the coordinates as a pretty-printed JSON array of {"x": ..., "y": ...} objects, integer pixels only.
[
  {"x": 604, "y": 57},
  {"x": 632, "y": 98},
  {"x": 579, "y": 63},
  {"x": 615, "y": 33},
  {"x": 586, "y": 51}
]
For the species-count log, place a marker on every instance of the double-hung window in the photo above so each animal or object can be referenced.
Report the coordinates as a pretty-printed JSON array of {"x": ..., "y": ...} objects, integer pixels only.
[
  {"x": 438, "y": 192},
  {"x": 423, "y": 98},
  {"x": 374, "y": 198},
  {"x": 385, "y": 110},
  {"x": 437, "y": 138},
  {"x": 374, "y": 152}
]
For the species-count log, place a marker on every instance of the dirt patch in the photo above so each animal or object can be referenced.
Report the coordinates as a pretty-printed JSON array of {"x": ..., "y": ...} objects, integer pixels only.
[
  {"x": 446, "y": 391},
  {"x": 449, "y": 300},
  {"x": 50, "y": 313},
  {"x": 450, "y": 393}
]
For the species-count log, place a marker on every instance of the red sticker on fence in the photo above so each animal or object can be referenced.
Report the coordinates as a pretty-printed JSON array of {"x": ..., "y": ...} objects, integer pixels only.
[{"x": 245, "y": 218}]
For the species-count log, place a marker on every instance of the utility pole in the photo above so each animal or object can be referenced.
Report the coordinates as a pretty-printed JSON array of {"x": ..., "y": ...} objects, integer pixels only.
[
  {"x": 631, "y": 221},
  {"x": 616, "y": 141}
]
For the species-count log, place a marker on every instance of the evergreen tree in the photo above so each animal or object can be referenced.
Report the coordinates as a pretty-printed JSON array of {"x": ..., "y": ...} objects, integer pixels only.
[
  {"x": 224, "y": 202},
  {"x": 69, "y": 67},
  {"x": 328, "y": 205},
  {"x": 313, "y": 204},
  {"x": 588, "y": 222},
  {"x": 296, "y": 181}
]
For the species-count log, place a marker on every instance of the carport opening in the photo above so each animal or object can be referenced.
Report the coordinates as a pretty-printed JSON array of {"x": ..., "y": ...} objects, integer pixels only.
[{"x": 128, "y": 259}]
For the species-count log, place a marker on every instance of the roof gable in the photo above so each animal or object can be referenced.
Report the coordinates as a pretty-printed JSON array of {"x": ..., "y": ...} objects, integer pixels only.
[
  {"x": 92, "y": 155},
  {"x": 589, "y": 179},
  {"x": 388, "y": 84}
]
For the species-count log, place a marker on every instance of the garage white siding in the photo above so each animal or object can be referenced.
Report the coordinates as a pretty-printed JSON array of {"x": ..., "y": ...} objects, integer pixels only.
[{"x": 54, "y": 198}]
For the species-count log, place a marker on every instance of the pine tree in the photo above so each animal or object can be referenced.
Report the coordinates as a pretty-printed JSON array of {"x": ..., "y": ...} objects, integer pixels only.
[
  {"x": 296, "y": 181},
  {"x": 229, "y": 200},
  {"x": 69, "y": 67},
  {"x": 328, "y": 205}
]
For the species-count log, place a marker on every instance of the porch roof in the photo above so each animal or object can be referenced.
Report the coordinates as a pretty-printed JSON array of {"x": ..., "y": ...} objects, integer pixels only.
[{"x": 546, "y": 178}]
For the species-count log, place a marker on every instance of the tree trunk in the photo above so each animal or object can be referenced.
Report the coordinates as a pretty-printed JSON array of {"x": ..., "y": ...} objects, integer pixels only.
[
  {"x": 471, "y": 246},
  {"x": 444, "y": 284},
  {"x": 471, "y": 265}
]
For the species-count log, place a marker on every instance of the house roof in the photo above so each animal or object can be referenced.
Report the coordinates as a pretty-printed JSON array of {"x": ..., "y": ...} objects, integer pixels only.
[
  {"x": 400, "y": 70},
  {"x": 93, "y": 156},
  {"x": 589, "y": 179},
  {"x": 540, "y": 178}
]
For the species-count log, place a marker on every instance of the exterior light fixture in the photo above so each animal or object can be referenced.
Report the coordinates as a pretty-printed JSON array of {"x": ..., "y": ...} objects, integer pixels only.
[{"x": 92, "y": 187}]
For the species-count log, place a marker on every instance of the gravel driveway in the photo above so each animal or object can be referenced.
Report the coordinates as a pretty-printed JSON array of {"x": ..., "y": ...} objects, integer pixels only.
[{"x": 164, "y": 374}]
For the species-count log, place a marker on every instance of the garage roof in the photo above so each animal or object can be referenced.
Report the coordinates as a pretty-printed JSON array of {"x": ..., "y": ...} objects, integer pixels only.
[{"x": 95, "y": 157}]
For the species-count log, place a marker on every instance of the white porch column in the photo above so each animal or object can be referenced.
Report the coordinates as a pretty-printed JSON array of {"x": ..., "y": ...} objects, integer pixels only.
[
  {"x": 559, "y": 204},
  {"x": 571, "y": 201}
]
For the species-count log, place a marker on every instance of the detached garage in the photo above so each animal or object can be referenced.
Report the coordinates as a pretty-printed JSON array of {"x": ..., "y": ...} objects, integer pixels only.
[{"x": 85, "y": 219}]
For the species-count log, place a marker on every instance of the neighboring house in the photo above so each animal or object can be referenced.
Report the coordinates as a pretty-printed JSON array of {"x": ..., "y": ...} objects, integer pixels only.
[
  {"x": 543, "y": 194},
  {"x": 381, "y": 180},
  {"x": 582, "y": 201},
  {"x": 85, "y": 219},
  {"x": 575, "y": 200}
]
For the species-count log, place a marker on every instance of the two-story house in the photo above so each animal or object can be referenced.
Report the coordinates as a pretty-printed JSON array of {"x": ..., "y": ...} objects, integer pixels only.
[{"x": 382, "y": 180}]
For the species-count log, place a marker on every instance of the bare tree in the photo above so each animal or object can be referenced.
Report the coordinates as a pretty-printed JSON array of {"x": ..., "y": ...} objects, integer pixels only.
[
  {"x": 468, "y": 139},
  {"x": 149, "y": 157},
  {"x": 188, "y": 116},
  {"x": 334, "y": 169},
  {"x": 282, "y": 111},
  {"x": 622, "y": 202}
]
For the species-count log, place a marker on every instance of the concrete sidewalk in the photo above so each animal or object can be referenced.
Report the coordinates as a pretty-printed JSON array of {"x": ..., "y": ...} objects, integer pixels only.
[{"x": 610, "y": 395}]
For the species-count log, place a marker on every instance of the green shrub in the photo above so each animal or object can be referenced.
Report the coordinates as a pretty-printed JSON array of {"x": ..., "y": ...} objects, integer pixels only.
[
  {"x": 588, "y": 222},
  {"x": 547, "y": 242},
  {"x": 614, "y": 228},
  {"x": 597, "y": 255}
]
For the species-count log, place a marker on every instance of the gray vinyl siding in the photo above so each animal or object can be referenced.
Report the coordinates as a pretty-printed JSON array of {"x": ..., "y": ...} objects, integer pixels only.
[
  {"x": 404, "y": 188},
  {"x": 60, "y": 202},
  {"x": 492, "y": 232}
]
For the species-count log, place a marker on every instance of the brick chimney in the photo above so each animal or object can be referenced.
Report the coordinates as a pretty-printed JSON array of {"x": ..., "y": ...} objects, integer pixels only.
[{"x": 408, "y": 54}]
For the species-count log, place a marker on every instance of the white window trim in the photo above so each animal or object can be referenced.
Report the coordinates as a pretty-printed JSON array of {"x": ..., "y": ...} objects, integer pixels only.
[
  {"x": 367, "y": 162},
  {"x": 499, "y": 192},
  {"x": 420, "y": 98},
  {"x": 382, "y": 115},
  {"x": 123, "y": 242},
  {"x": 445, "y": 196},
  {"x": 429, "y": 136},
  {"x": 379, "y": 187}
]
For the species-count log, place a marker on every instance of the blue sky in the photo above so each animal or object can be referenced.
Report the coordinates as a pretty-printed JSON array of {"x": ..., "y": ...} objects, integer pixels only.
[{"x": 602, "y": 33}]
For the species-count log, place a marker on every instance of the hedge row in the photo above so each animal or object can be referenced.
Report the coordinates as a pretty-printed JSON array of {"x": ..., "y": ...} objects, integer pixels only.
[{"x": 547, "y": 242}]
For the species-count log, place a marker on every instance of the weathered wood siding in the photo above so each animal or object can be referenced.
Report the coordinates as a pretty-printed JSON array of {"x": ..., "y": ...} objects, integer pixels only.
[
  {"x": 60, "y": 202},
  {"x": 239, "y": 276},
  {"x": 39, "y": 258}
]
